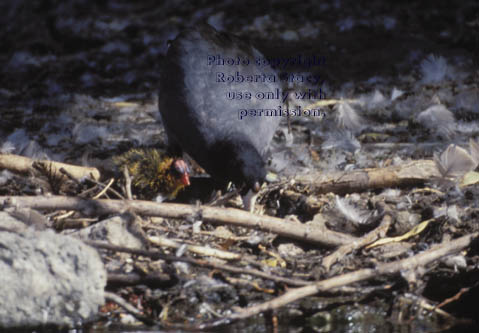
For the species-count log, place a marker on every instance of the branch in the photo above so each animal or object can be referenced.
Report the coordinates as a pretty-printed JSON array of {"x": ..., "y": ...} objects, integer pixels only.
[{"x": 217, "y": 215}]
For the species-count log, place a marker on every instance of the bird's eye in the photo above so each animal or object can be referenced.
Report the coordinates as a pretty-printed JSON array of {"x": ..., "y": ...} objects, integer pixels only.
[{"x": 181, "y": 167}]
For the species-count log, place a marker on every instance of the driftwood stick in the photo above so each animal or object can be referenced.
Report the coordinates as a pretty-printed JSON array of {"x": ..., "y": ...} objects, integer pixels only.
[
  {"x": 421, "y": 259},
  {"x": 22, "y": 164},
  {"x": 408, "y": 174},
  {"x": 217, "y": 215}
]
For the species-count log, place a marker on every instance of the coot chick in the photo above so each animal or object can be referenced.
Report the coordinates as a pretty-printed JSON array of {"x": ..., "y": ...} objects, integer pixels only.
[
  {"x": 154, "y": 173},
  {"x": 198, "y": 114}
]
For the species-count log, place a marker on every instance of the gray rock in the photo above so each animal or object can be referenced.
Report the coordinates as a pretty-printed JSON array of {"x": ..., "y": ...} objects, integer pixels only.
[
  {"x": 48, "y": 278},
  {"x": 10, "y": 223}
]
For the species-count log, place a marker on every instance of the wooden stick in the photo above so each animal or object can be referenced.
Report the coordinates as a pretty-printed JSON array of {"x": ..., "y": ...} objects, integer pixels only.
[
  {"x": 22, "y": 164},
  {"x": 314, "y": 234},
  {"x": 408, "y": 174}
]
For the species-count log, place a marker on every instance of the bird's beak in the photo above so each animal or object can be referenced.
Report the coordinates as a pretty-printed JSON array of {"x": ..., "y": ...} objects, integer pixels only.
[
  {"x": 185, "y": 179},
  {"x": 249, "y": 200}
]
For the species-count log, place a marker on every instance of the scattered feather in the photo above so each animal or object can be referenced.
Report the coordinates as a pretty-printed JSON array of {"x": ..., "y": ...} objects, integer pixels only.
[
  {"x": 343, "y": 140},
  {"x": 396, "y": 93},
  {"x": 33, "y": 150},
  {"x": 449, "y": 211},
  {"x": 438, "y": 119},
  {"x": 376, "y": 100},
  {"x": 454, "y": 162},
  {"x": 346, "y": 117},
  {"x": 18, "y": 139},
  {"x": 391, "y": 193},
  {"x": 434, "y": 69},
  {"x": 87, "y": 133},
  {"x": 350, "y": 213},
  {"x": 7, "y": 148},
  {"x": 288, "y": 137}
]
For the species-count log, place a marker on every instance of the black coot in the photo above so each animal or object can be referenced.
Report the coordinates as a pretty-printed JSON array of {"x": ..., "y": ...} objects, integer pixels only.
[{"x": 200, "y": 117}]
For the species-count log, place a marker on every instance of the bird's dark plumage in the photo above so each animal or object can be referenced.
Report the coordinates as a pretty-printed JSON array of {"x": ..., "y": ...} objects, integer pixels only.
[{"x": 201, "y": 120}]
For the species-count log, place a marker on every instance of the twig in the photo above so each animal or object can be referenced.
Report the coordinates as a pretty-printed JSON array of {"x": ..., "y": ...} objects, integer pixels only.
[
  {"x": 107, "y": 187},
  {"x": 452, "y": 299},
  {"x": 313, "y": 234},
  {"x": 118, "y": 195},
  {"x": 70, "y": 213},
  {"x": 127, "y": 177}
]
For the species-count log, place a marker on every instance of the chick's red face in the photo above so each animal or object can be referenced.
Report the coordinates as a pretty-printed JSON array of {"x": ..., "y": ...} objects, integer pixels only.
[{"x": 181, "y": 168}]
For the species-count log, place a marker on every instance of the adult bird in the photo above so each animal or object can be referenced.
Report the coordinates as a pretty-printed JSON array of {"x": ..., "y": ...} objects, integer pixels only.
[{"x": 198, "y": 103}]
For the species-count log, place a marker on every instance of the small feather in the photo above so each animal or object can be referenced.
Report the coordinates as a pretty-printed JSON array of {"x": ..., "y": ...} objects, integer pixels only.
[
  {"x": 434, "y": 69},
  {"x": 454, "y": 162},
  {"x": 351, "y": 213},
  {"x": 439, "y": 119},
  {"x": 396, "y": 93},
  {"x": 376, "y": 100},
  {"x": 347, "y": 117}
]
